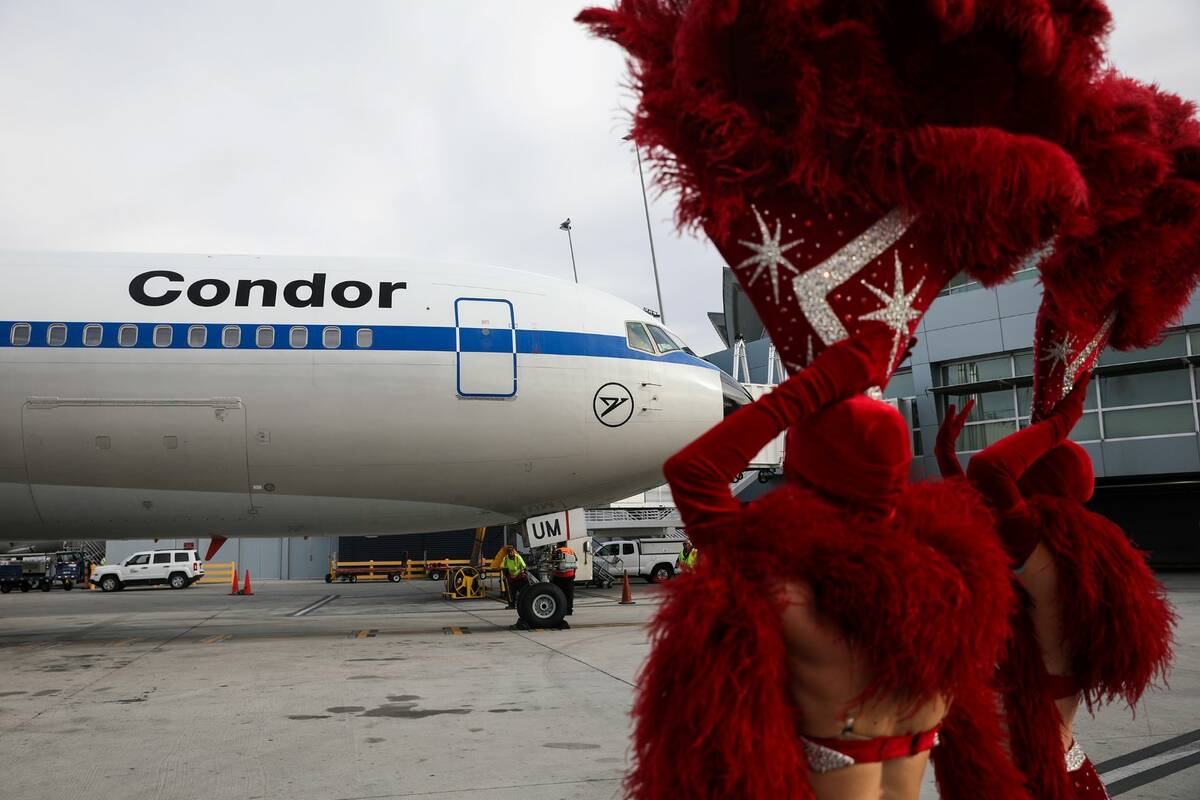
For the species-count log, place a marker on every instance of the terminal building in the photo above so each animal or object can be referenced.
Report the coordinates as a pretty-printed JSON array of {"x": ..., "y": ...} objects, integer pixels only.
[{"x": 1141, "y": 426}]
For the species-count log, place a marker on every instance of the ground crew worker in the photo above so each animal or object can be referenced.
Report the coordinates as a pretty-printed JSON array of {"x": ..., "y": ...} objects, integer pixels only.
[
  {"x": 687, "y": 559},
  {"x": 514, "y": 573},
  {"x": 564, "y": 564}
]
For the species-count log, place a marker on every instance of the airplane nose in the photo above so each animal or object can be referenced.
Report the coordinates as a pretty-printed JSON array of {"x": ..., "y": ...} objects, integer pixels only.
[{"x": 733, "y": 394}]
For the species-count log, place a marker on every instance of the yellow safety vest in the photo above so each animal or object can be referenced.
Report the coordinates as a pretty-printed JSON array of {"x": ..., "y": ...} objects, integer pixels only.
[
  {"x": 514, "y": 565},
  {"x": 688, "y": 560}
]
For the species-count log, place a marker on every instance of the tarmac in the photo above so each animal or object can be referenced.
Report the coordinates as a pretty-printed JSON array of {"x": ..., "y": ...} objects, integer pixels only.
[{"x": 370, "y": 691}]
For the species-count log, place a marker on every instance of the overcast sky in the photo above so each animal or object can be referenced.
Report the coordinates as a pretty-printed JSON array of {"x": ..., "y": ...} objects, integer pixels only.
[{"x": 442, "y": 129}]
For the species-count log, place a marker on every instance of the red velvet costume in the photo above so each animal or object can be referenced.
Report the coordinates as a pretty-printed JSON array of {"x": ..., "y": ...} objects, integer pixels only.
[
  {"x": 1116, "y": 622},
  {"x": 907, "y": 572},
  {"x": 847, "y": 157},
  {"x": 1119, "y": 276}
]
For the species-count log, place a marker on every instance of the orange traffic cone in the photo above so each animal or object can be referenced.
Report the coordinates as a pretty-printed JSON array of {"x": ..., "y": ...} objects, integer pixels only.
[
  {"x": 626, "y": 592},
  {"x": 234, "y": 590},
  {"x": 247, "y": 591}
]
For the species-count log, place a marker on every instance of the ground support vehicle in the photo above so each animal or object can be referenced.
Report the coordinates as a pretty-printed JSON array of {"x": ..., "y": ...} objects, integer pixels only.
[
  {"x": 41, "y": 571},
  {"x": 466, "y": 583},
  {"x": 70, "y": 568},
  {"x": 652, "y": 559},
  {"x": 602, "y": 578},
  {"x": 178, "y": 569},
  {"x": 392, "y": 571},
  {"x": 11, "y": 578}
]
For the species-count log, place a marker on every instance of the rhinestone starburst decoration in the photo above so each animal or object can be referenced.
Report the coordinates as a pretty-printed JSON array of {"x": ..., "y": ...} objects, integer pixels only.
[
  {"x": 769, "y": 254},
  {"x": 1060, "y": 352},
  {"x": 813, "y": 287},
  {"x": 897, "y": 310}
]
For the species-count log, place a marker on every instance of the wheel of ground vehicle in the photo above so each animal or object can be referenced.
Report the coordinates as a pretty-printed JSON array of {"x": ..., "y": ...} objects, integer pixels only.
[
  {"x": 5, "y": 588},
  {"x": 394, "y": 577},
  {"x": 662, "y": 573},
  {"x": 328, "y": 578},
  {"x": 68, "y": 585},
  {"x": 542, "y": 605},
  {"x": 354, "y": 579},
  {"x": 177, "y": 580},
  {"x": 464, "y": 582},
  {"x": 25, "y": 586},
  {"x": 109, "y": 583},
  {"x": 45, "y": 585},
  {"x": 435, "y": 575}
]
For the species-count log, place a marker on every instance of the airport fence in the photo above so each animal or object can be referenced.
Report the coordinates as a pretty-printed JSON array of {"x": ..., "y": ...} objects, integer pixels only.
[{"x": 218, "y": 573}]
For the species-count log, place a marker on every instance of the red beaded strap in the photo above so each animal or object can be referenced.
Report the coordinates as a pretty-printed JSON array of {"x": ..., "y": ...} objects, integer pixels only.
[{"x": 881, "y": 748}]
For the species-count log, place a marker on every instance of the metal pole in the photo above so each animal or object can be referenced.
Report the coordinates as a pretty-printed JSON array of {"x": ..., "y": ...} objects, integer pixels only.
[
  {"x": 572, "y": 246},
  {"x": 566, "y": 226},
  {"x": 662, "y": 315}
]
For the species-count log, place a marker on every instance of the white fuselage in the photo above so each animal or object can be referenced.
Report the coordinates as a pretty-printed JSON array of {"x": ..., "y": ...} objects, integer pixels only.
[{"x": 426, "y": 397}]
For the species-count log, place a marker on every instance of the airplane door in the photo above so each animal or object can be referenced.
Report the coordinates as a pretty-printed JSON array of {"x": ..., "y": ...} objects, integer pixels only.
[{"x": 485, "y": 348}]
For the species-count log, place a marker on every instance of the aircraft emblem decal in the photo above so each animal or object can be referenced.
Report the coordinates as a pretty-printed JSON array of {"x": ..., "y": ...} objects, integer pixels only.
[{"x": 613, "y": 405}]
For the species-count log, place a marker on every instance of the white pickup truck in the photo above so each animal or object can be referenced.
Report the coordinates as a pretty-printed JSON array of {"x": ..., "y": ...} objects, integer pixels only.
[{"x": 653, "y": 559}]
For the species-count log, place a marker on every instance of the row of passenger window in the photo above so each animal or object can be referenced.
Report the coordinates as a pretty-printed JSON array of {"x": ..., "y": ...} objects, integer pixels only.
[{"x": 197, "y": 336}]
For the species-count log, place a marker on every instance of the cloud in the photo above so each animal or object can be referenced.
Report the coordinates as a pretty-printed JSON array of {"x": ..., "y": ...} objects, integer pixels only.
[{"x": 442, "y": 129}]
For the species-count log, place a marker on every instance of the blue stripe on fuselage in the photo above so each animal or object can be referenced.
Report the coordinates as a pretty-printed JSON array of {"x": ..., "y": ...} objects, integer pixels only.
[{"x": 385, "y": 337}]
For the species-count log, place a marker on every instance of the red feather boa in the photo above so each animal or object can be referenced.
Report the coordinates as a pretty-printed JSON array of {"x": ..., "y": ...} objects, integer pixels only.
[
  {"x": 1117, "y": 628},
  {"x": 1118, "y": 622},
  {"x": 925, "y": 596}
]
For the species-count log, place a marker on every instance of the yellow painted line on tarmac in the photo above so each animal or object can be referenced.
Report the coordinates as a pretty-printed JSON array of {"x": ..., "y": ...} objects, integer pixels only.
[
  {"x": 220, "y": 637},
  {"x": 127, "y": 642},
  {"x": 364, "y": 634}
]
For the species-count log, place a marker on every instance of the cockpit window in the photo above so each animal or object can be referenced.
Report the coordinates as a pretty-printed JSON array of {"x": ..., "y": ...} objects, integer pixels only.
[
  {"x": 664, "y": 341},
  {"x": 682, "y": 346},
  {"x": 635, "y": 334}
]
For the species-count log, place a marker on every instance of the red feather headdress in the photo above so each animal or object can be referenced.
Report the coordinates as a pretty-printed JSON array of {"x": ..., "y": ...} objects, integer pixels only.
[
  {"x": 1134, "y": 260},
  {"x": 849, "y": 156}
]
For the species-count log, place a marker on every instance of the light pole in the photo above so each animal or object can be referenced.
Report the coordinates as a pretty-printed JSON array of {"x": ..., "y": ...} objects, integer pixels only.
[
  {"x": 566, "y": 226},
  {"x": 662, "y": 315}
]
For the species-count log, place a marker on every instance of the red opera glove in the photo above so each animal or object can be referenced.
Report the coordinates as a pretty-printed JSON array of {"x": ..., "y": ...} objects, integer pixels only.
[
  {"x": 946, "y": 448},
  {"x": 996, "y": 470},
  {"x": 700, "y": 474}
]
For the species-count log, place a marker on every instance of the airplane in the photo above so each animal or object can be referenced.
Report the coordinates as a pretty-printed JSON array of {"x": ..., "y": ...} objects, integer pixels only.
[{"x": 146, "y": 396}]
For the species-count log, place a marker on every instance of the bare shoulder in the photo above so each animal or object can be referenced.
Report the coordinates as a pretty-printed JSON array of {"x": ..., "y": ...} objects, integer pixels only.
[{"x": 807, "y": 634}]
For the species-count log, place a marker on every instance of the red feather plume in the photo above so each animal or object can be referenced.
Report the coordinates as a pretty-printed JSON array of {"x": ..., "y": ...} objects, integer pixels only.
[
  {"x": 1125, "y": 269},
  {"x": 872, "y": 102}
]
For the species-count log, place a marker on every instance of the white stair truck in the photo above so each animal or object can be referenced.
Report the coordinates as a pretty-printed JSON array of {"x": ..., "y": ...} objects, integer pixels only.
[{"x": 652, "y": 559}]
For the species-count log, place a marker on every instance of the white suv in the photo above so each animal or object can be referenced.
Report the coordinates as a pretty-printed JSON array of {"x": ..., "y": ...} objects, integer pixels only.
[{"x": 178, "y": 569}]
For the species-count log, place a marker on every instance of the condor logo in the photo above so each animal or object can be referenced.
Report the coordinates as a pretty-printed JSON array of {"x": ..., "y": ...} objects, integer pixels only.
[
  {"x": 156, "y": 288},
  {"x": 613, "y": 405}
]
